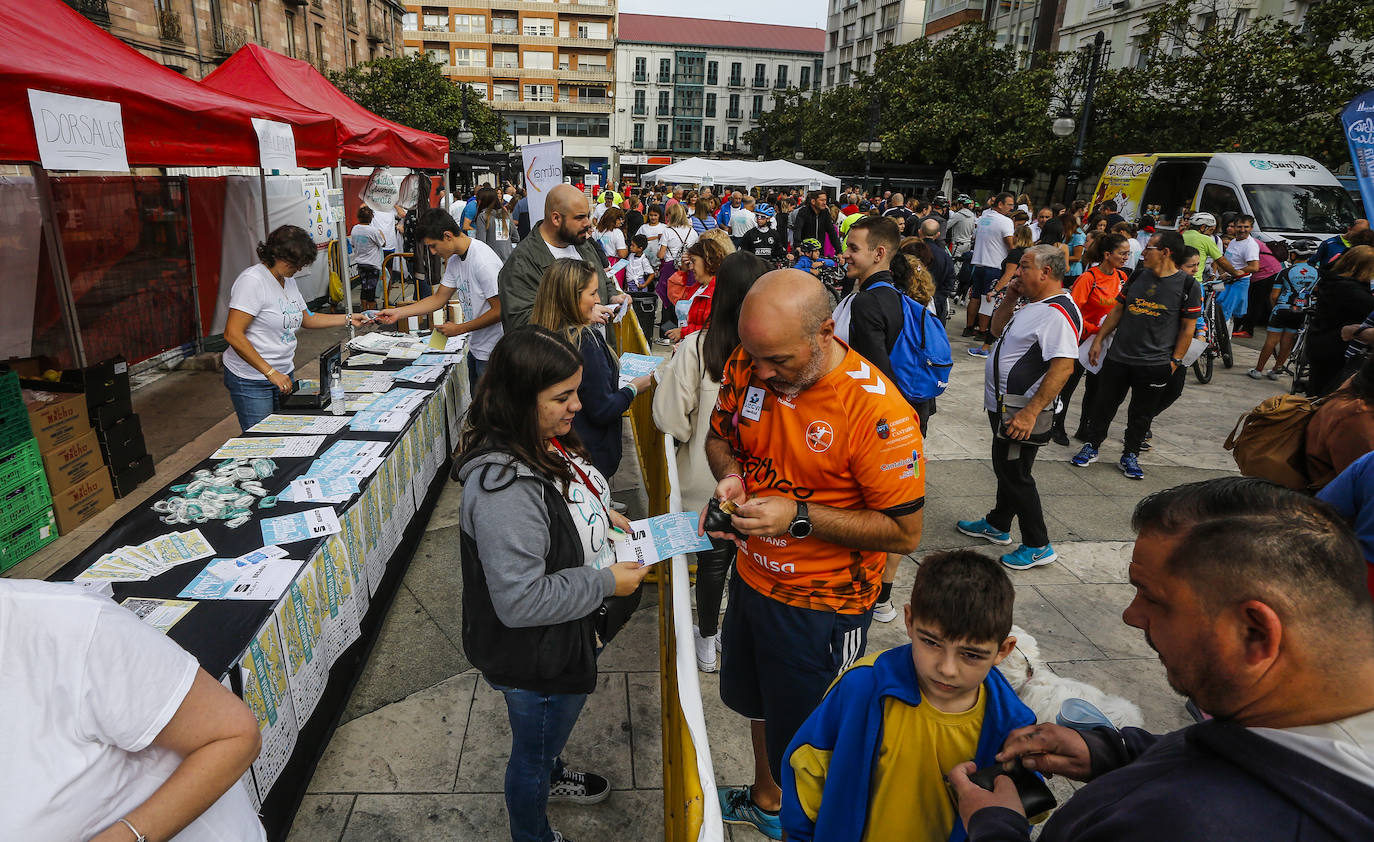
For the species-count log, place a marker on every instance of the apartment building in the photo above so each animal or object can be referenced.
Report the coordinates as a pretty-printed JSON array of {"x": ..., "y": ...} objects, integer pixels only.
[
  {"x": 544, "y": 66},
  {"x": 1123, "y": 22},
  {"x": 857, "y": 29},
  {"x": 195, "y": 36},
  {"x": 686, "y": 86}
]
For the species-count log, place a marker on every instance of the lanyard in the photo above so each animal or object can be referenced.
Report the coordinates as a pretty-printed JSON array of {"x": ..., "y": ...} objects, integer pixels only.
[{"x": 583, "y": 478}]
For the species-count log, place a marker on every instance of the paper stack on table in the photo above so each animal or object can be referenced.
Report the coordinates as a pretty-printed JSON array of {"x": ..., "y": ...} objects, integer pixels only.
[
  {"x": 400, "y": 399},
  {"x": 300, "y": 424},
  {"x": 272, "y": 447},
  {"x": 262, "y": 574},
  {"x": 386, "y": 421},
  {"x": 300, "y": 526},
  {"x": 438, "y": 358},
  {"x": 405, "y": 353},
  {"x": 665, "y": 536},
  {"x": 420, "y": 373},
  {"x": 636, "y": 365},
  {"x": 366, "y": 381},
  {"x": 309, "y": 489},
  {"x": 378, "y": 342},
  {"x": 349, "y": 458},
  {"x": 143, "y": 562},
  {"x": 365, "y": 359},
  {"x": 161, "y": 614}
]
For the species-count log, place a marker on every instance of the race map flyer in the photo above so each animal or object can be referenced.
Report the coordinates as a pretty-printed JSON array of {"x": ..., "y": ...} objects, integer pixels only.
[
  {"x": 267, "y": 691},
  {"x": 298, "y": 617}
]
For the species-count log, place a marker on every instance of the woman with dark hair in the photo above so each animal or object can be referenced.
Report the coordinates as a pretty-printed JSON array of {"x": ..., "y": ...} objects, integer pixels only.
[
  {"x": 1095, "y": 292},
  {"x": 565, "y": 303},
  {"x": 1052, "y": 234},
  {"x": 493, "y": 223},
  {"x": 533, "y": 595},
  {"x": 1343, "y": 295},
  {"x": 1343, "y": 428},
  {"x": 1074, "y": 239},
  {"x": 265, "y": 311},
  {"x": 610, "y": 235},
  {"x": 703, "y": 219},
  {"x": 683, "y": 399}
]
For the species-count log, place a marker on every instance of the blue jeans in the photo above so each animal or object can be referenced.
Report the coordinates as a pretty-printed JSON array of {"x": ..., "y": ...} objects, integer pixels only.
[
  {"x": 253, "y": 400},
  {"x": 540, "y": 725},
  {"x": 475, "y": 369}
]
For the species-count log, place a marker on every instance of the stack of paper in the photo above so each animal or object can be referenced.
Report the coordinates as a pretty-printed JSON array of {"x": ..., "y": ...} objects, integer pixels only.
[
  {"x": 143, "y": 562},
  {"x": 309, "y": 489},
  {"x": 387, "y": 421},
  {"x": 365, "y": 359},
  {"x": 420, "y": 373},
  {"x": 400, "y": 400},
  {"x": 438, "y": 358},
  {"x": 366, "y": 381},
  {"x": 272, "y": 447},
  {"x": 300, "y": 424},
  {"x": 349, "y": 458},
  {"x": 380, "y": 343},
  {"x": 405, "y": 353},
  {"x": 300, "y": 526},
  {"x": 261, "y": 574}
]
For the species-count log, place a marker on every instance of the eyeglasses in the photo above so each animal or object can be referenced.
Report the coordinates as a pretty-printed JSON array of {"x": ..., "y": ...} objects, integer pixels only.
[{"x": 1153, "y": 248}]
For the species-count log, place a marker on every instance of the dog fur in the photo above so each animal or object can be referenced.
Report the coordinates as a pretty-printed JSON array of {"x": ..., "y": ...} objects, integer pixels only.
[{"x": 1043, "y": 691}]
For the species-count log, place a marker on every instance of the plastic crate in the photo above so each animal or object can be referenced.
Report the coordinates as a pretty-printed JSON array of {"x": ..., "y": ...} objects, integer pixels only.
[
  {"x": 34, "y": 534},
  {"x": 20, "y": 464},
  {"x": 10, "y": 396},
  {"x": 24, "y": 499}
]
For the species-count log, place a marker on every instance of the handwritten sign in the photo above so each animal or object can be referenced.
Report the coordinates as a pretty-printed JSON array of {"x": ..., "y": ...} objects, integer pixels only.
[
  {"x": 75, "y": 133},
  {"x": 381, "y": 192},
  {"x": 543, "y": 170},
  {"x": 276, "y": 144}
]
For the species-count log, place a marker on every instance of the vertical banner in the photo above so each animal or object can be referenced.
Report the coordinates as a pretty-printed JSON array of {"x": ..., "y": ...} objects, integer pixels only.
[
  {"x": 543, "y": 170},
  {"x": 1358, "y": 121},
  {"x": 276, "y": 144}
]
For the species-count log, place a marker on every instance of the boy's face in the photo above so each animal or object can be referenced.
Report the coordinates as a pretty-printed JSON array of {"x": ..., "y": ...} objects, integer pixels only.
[
  {"x": 949, "y": 671},
  {"x": 635, "y": 249}
]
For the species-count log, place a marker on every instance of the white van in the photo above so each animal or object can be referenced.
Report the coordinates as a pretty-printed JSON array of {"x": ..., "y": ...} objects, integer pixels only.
[{"x": 1291, "y": 197}]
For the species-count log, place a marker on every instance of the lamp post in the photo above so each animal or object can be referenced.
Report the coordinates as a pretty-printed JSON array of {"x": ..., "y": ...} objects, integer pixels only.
[
  {"x": 1076, "y": 163},
  {"x": 870, "y": 146}
]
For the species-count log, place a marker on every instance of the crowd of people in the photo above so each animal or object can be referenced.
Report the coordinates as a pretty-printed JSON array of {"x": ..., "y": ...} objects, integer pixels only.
[{"x": 806, "y": 351}]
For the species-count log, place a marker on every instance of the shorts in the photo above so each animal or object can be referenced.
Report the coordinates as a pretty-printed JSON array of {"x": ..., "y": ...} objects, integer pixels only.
[
  {"x": 778, "y": 660},
  {"x": 367, "y": 279},
  {"x": 984, "y": 279},
  {"x": 1285, "y": 321}
]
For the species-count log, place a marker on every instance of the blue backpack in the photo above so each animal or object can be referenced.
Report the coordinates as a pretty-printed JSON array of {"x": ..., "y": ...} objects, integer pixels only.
[{"x": 921, "y": 358}]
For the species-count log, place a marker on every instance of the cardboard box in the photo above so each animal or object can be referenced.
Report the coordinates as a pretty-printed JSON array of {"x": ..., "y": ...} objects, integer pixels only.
[
  {"x": 57, "y": 417},
  {"x": 84, "y": 500},
  {"x": 127, "y": 478},
  {"x": 103, "y": 383},
  {"x": 122, "y": 443},
  {"x": 26, "y": 538},
  {"x": 73, "y": 461}
]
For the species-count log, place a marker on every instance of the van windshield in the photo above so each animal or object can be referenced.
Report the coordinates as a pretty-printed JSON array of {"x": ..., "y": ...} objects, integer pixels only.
[{"x": 1300, "y": 208}]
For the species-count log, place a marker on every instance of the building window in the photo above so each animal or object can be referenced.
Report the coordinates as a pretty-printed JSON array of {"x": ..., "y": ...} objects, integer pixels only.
[
  {"x": 469, "y": 23},
  {"x": 665, "y": 70},
  {"x": 662, "y": 103},
  {"x": 712, "y": 72},
  {"x": 537, "y": 60},
  {"x": 538, "y": 26},
  {"x": 757, "y": 109},
  {"x": 505, "y": 92},
  {"x": 469, "y": 58},
  {"x": 844, "y": 73},
  {"x": 591, "y": 62},
  {"x": 638, "y": 142},
  {"x": 688, "y": 103},
  {"x": 662, "y": 138},
  {"x": 436, "y": 23},
  {"x": 479, "y": 90},
  {"x": 804, "y": 80},
  {"x": 732, "y": 136},
  {"x": 733, "y": 111},
  {"x": 410, "y": 20},
  {"x": 690, "y": 70},
  {"x": 781, "y": 81},
  {"x": 291, "y": 34},
  {"x": 641, "y": 69},
  {"x": 736, "y": 74},
  {"x": 584, "y": 126},
  {"x": 594, "y": 31},
  {"x": 352, "y": 52},
  {"x": 639, "y": 103},
  {"x": 816, "y": 74},
  {"x": 760, "y": 76},
  {"x": 686, "y": 136},
  {"x": 708, "y": 139},
  {"x": 504, "y": 26},
  {"x": 257, "y": 21},
  {"x": 319, "y": 41},
  {"x": 529, "y": 125},
  {"x": 588, "y": 93},
  {"x": 539, "y": 93},
  {"x": 710, "y": 105},
  {"x": 505, "y": 58}
]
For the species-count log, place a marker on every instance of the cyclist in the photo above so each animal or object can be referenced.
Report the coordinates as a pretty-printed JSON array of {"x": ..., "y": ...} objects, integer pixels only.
[
  {"x": 810, "y": 259},
  {"x": 763, "y": 239},
  {"x": 1290, "y": 300}
]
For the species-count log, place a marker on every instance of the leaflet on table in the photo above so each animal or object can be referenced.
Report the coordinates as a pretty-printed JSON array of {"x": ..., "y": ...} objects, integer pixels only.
[
  {"x": 153, "y": 558},
  {"x": 161, "y": 614},
  {"x": 266, "y": 578},
  {"x": 366, "y": 381},
  {"x": 358, "y": 401},
  {"x": 272, "y": 447},
  {"x": 324, "y": 425},
  {"x": 355, "y": 544},
  {"x": 249, "y": 785},
  {"x": 267, "y": 691},
  {"x": 300, "y": 526},
  {"x": 409, "y": 353},
  {"x": 420, "y": 373},
  {"x": 664, "y": 536},
  {"x": 308, "y": 489},
  {"x": 438, "y": 358},
  {"x": 340, "y": 618},
  {"x": 446, "y": 344},
  {"x": 388, "y": 421},
  {"x": 299, "y": 617},
  {"x": 365, "y": 359},
  {"x": 378, "y": 342},
  {"x": 401, "y": 398},
  {"x": 636, "y": 365}
]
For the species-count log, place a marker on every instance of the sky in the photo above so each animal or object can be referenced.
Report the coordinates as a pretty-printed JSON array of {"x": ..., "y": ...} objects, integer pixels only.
[{"x": 788, "y": 12}]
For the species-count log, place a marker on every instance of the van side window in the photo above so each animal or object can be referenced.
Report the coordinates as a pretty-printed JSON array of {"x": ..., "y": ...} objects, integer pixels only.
[{"x": 1218, "y": 199}]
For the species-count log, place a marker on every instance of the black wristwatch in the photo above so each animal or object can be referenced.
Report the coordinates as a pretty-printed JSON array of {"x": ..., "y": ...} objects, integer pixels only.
[
  {"x": 1176, "y": 361},
  {"x": 801, "y": 524}
]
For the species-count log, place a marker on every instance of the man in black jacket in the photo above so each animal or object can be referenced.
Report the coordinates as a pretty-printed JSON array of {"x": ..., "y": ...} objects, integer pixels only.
[
  {"x": 812, "y": 221},
  {"x": 1254, "y": 597}
]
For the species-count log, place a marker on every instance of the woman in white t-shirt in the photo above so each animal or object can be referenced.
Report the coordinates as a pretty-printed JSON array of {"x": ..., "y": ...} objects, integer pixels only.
[
  {"x": 111, "y": 732},
  {"x": 652, "y": 229},
  {"x": 265, "y": 311}
]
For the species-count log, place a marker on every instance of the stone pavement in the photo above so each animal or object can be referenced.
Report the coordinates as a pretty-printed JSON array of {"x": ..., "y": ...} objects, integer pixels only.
[{"x": 421, "y": 751}]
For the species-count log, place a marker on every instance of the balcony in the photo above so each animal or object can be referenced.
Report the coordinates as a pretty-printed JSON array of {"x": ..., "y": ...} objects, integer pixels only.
[
  {"x": 637, "y": 143},
  {"x": 780, "y": 84},
  {"x": 687, "y": 113},
  {"x": 760, "y": 82},
  {"x": 734, "y": 114},
  {"x": 708, "y": 145},
  {"x": 503, "y": 72},
  {"x": 505, "y": 38},
  {"x": 640, "y": 111},
  {"x": 665, "y": 79},
  {"x": 735, "y": 82},
  {"x": 96, "y": 10},
  {"x": 661, "y": 111},
  {"x": 169, "y": 26},
  {"x": 228, "y": 39},
  {"x": 641, "y": 78},
  {"x": 583, "y": 107},
  {"x": 755, "y": 114}
]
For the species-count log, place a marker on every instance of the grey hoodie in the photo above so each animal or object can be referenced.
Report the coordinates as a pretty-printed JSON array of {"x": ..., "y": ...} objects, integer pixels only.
[{"x": 511, "y": 528}]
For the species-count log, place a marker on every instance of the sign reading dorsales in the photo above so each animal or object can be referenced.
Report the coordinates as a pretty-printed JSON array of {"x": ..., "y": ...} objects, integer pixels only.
[
  {"x": 75, "y": 133},
  {"x": 543, "y": 170},
  {"x": 1358, "y": 121},
  {"x": 276, "y": 144}
]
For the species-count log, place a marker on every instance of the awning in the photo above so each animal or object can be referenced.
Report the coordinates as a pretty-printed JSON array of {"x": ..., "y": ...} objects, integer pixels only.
[{"x": 735, "y": 172}]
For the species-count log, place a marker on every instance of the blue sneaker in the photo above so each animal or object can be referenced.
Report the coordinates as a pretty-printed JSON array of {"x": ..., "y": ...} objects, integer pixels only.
[
  {"x": 736, "y": 807},
  {"x": 1024, "y": 557},
  {"x": 1085, "y": 457},
  {"x": 982, "y": 529},
  {"x": 1130, "y": 466},
  {"x": 978, "y": 351}
]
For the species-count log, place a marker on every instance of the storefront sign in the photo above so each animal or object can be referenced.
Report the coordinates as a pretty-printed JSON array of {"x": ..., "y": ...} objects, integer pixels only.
[
  {"x": 543, "y": 171},
  {"x": 276, "y": 144},
  {"x": 75, "y": 133}
]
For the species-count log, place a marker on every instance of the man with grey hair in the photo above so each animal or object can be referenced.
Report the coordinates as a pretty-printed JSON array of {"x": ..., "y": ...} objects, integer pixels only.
[
  {"x": 942, "y": 271},
  {"x": 1038, "y": 327}
]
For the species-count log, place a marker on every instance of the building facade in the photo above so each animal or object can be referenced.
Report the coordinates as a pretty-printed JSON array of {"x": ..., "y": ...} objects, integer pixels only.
[
  {"x": 195, "y": 36},
  {"x": 686, "y": 86},
  {"x": 857, "y": 29},
  {"x": 1123, "y": 23},
  {"x": 544, "y": 66}
]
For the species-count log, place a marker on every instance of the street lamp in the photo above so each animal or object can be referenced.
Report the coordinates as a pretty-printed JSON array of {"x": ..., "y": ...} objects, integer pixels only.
[
  {"x": 1063, "y": 126},
  {"x": 1076, "y": 164},
  {"x": 465, "y": 135},
  {"x": 870, "y": 146}
]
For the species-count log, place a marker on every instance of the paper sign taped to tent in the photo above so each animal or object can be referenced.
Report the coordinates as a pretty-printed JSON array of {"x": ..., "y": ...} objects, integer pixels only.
[
  {"x": 543, "y": 171},
  {"x": 319, "y": 217},
  {"x": 276, "y": 144},
  {"x": 75, "y": 133},
  {"x": 382, "y": 191}
]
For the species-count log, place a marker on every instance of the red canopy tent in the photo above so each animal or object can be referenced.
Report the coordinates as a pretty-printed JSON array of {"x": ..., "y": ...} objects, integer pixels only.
[
  {"x": 169, "y": 120},
  {"x": 364, "y": 138}
]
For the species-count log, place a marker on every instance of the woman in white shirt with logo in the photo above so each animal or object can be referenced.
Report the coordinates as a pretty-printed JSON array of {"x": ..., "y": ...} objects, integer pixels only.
[{"x": 265, "y": 311}]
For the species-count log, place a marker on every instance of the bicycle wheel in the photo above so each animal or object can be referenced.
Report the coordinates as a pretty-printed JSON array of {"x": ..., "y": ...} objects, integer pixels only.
[
  {"x": 1202, "y": 367},
  {"x": 1222, "y": 334}
]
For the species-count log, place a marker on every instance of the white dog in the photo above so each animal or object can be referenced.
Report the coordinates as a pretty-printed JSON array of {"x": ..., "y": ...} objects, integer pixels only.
[{"x": 1043, "y": 691}]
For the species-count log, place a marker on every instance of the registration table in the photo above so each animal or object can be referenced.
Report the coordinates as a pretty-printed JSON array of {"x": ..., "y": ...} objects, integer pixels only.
[{"x": 295, "y": 658}]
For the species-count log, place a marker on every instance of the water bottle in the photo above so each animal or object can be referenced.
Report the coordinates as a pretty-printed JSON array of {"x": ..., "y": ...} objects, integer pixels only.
[{"x": 337, "y": 399}]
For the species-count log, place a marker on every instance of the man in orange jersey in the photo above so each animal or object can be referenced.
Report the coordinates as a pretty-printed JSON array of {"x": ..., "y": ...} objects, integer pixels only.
[{"x": 825, "y": 460}]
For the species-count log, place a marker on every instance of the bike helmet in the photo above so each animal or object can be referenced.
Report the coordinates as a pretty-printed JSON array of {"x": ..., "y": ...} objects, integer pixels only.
[
  {"x": 764, "y": 209},
  {"x": 1202, "y": 218},
  {"x": 811, "y": 244}
]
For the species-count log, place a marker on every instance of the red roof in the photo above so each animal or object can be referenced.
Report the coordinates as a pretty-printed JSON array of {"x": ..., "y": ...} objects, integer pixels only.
[{"x": 695, "y": 32}]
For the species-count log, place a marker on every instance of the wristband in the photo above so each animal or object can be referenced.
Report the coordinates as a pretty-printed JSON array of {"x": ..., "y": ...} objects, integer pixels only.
[
  {"x": 736, "y": 476},
  {"x": 634, "y": 393}
]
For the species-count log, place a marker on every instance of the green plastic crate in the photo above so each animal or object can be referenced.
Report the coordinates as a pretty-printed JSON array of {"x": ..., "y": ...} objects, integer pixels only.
[
  {"x": 24, "y": 499},
  {"x": 34, "y": 534},
  {"x": 10, "y": 395},
  {"x": 20, "y": 464}
]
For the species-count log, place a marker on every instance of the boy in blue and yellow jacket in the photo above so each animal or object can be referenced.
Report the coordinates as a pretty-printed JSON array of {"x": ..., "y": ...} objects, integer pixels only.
[{"x": 871, "y": 760}]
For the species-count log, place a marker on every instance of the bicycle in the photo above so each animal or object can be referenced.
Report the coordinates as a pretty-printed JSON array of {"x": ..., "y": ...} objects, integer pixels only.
[{"x": 1215, "y": 333}]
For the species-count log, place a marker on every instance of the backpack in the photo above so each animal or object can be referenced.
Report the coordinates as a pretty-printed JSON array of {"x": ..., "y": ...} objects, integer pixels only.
[
  {"x": 921, "y": 358},
  {"x": 1269, "y": 441}
]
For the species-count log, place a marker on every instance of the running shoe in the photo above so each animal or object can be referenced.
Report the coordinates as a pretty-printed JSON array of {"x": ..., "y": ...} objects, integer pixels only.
[
  {"x": 1130, "y": 466},
  {"x": 1240, "y": 334},
  {"x": 706, "y": 650},
  {"x": 1024, "y": 557},
  {"x": 978, "y": 351},
  {"x": 1255, "y": 374},
  {"x": 885, "y": 612},
  {"x": 1274, "y": 375},
  {"x": 982, "y": 529},
  {"x": 1085, "y": 457},
  {"x": 579, "y": 787},
  {"x": 736, "y": 807}
]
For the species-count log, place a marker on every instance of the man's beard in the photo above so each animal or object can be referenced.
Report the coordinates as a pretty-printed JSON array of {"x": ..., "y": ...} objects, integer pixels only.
[
  {"x": 575, "y": 236},
  {"x": 807, "y": 378}
]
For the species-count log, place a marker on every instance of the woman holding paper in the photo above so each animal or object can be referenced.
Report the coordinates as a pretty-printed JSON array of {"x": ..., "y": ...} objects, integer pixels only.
[
  {"x": 533, "y": 596},
  {"x": 265, "y": 312},
  {"x": 565, "y": 304}
]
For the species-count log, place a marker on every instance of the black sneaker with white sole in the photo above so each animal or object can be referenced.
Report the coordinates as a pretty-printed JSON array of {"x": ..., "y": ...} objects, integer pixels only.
[{"x": 579, "y": 788}]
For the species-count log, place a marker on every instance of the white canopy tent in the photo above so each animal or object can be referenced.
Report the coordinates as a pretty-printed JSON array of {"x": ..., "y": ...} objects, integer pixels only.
[{"x": 747, "y": 173}]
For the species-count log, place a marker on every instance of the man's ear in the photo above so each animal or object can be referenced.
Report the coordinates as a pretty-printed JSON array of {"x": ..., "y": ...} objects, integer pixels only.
[{"x": 1261, "y": 632}]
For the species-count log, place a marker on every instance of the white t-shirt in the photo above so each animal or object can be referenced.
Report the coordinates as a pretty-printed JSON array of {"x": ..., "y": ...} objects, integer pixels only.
[
  {"x": 1346, "y": 745},
  {"x": 385, "y": 221},
  {"x": 85, "y": 687},
  {"x": 741, "y": 221},
  {"x": 1241, "y": 252},
  {"x": 367, "y": 245},
  {"x": 474, "y": 277},
  {"x": 612, "y": 242},
  {"x": 678, "y": 240},
  {"x": 598, "y": 211},
  {"x": 569, "y": 250},
  {"x": 989, "y": 247},
  {"x": 1136, "y": 251},
  {"x": 591, "y": 515},
  {"x": 277, "y": 312},
  {"x": 652, "y": 234},
  {"x": 1038, "y": 332}
]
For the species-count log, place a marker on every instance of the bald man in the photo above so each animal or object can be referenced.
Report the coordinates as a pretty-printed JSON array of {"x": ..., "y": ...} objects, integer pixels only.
[
  {"x": 563, "y": 232},
  {"x": 941, "y": 266},
  {"x": 825, "y": 461}
]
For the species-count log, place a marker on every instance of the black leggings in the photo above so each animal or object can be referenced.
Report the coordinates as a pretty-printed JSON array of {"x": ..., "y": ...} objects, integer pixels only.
[{"x": 713, "y": 566}]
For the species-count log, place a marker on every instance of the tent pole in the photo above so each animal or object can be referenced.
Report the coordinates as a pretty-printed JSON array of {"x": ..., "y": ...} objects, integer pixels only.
[
  {"x": 262, "y": 190},
  {"x": 344, "y": 273},
  {"x": 191, "y": 253},
  {"x": 57, "y": 257}
]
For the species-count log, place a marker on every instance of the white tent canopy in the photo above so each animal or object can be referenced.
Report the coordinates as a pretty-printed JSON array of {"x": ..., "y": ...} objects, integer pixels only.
[{"x": 747, "y": 173}]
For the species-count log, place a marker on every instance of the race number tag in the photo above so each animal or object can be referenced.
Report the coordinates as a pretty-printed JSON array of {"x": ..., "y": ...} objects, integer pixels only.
[{"x": 753, "y": 403}]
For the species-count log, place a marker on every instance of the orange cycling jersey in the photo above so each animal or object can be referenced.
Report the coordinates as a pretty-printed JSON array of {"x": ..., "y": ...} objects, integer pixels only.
[{"x": 850, "y": 442}]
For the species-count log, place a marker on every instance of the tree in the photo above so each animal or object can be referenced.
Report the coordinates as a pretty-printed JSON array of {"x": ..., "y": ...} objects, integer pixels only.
[{"x": 413, "y": 91}]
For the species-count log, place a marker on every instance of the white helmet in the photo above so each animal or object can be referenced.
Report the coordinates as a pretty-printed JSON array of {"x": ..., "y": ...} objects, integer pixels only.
[{"x": 1201, "y": 219}]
